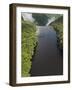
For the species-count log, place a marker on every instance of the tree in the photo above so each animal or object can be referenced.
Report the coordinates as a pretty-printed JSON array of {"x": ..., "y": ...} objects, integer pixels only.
[{"x": 40, "y": 19}]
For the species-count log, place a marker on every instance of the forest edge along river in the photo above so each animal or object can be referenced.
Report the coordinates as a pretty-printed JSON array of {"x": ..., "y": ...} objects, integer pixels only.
[{"x": 47, "y": 59}]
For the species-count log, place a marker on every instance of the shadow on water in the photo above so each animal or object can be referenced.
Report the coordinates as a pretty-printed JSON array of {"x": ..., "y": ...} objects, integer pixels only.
[{"x": 47, "y": 59}]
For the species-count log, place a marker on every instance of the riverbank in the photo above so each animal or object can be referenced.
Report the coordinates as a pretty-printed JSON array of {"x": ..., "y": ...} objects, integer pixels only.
[
  {"x": 29, "y": 39},
  {"x": 58, "y": 27}
]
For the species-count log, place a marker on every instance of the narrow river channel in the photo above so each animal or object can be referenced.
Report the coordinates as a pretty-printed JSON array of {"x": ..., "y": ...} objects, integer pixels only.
[{"x": 47, "y": 59}]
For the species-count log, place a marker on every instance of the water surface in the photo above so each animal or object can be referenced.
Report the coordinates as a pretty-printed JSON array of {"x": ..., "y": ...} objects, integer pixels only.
[{"x": 47, "y": 59}]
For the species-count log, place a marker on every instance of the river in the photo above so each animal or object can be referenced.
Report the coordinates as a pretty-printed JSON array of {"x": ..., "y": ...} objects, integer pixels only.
[{"x": 47, "y": 59}]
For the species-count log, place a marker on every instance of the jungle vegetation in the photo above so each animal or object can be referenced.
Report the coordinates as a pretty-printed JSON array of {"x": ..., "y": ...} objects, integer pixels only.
[
  {"x": 40, "y": 19},
  {"x": 28, "y": 42},
  {"x": 58, "y": 27}
]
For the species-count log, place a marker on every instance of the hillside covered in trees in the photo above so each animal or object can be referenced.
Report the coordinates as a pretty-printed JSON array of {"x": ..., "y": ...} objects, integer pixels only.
[
  {"x": 28, "y": 42},
  {"x": 58, "y": 27},
  {"x": 40, "y": 19}
]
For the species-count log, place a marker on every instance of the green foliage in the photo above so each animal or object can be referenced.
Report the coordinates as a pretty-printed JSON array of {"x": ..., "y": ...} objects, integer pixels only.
[
  {"x": 28, "y": 43},
  {"x": 58, "y": 26},
  {"x": 54, "y": 15},
  {"x": 40, "y": 19}
]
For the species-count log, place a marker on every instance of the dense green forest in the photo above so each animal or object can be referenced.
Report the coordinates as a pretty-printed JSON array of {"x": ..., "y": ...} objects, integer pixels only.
[
  {"x": 40, "y": 19},
  {"x": 28, "y": 42},
  {"x": 54, "y": 15},
  {"x": 58, "y": 26}
]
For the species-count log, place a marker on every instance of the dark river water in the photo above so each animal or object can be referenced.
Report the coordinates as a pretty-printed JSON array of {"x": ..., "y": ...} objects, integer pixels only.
[{"x": 47, "y": 59}]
